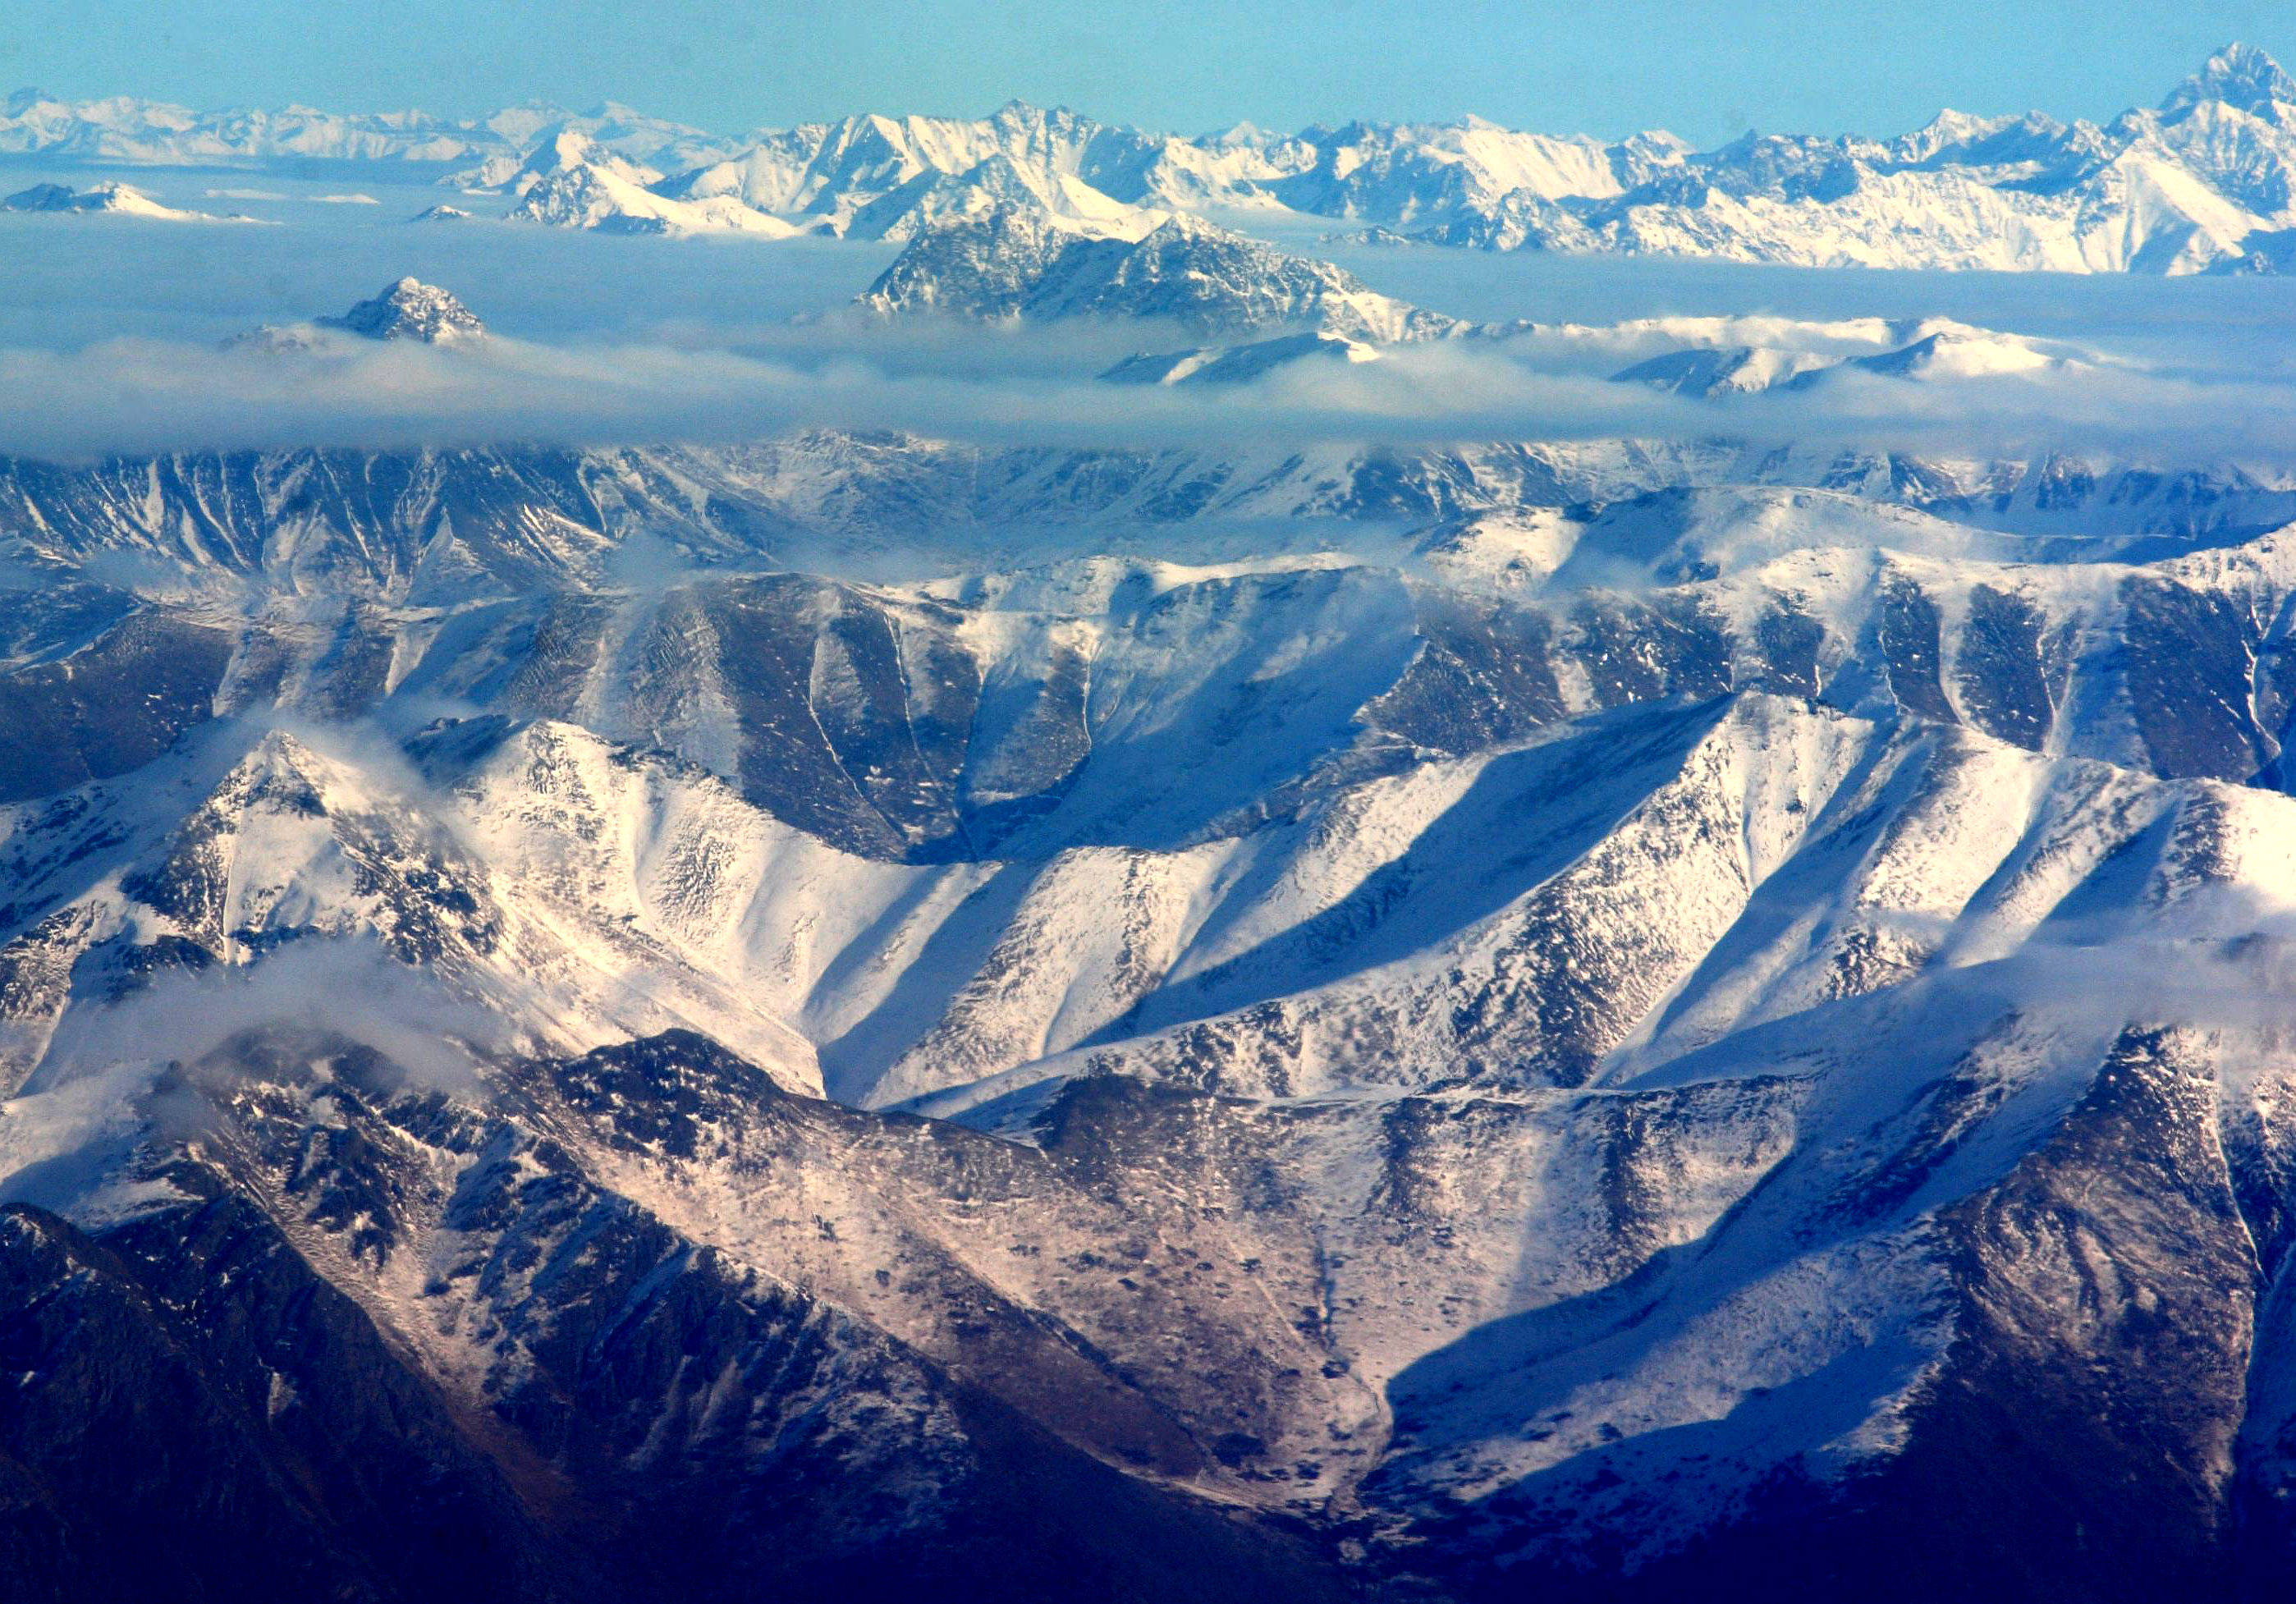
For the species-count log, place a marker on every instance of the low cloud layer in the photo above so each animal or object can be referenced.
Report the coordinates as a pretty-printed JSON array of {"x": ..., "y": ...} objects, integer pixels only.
[
  {"x": 104, "y": 1087},
  {"x": 344, "y": 987},
  {"x": 605, "y": 340},
  {"x": 142, "y": 396}
]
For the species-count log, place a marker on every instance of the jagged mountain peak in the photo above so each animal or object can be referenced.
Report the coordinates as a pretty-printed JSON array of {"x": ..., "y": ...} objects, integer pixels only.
[
  {"x": 1019, "y": 262},
  {"x": 1243, "y": 131},
  {"x": 2242, "y": 75},
  {"x": 971, "y": 263},
  {"x": 411, "y": 310},
  {"x": 565, "y": 147},
  {"x": 1022, "y": 111}
]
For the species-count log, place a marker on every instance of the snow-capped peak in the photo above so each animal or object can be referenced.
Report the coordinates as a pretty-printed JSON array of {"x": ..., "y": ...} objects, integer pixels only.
[
  {"x": 118, "y": 198},
  {"x": 2239, "y": 75},
  {"x": 411, "y": 310},
  {"x": 1016, "y": 262},
  {"x": 571, "y": 147},
  {"x": 1242, "y": 135}
]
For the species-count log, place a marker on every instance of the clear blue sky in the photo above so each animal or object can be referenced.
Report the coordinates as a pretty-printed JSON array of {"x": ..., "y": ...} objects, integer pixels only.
[{"x": 1708, "y": 71}]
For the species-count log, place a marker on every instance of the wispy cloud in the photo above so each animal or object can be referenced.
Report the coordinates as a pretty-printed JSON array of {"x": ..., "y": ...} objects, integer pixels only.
[{"x": 139, "y": 396}]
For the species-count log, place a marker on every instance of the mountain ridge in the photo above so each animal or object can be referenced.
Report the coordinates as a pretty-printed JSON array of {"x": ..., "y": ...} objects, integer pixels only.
[{"x": 2205, "y": 182}]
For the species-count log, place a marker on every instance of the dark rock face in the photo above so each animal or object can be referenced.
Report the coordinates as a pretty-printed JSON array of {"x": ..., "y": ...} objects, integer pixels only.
[
  {"x": 194, "y": 1406},
  {"x": 2006, "y": 680},
  {"x": 109, "y": 707},
  {"x": 2034, "y": 1421},
  {"x": 1911, "y": 640},
  {"x": 2189, "y": 681}
]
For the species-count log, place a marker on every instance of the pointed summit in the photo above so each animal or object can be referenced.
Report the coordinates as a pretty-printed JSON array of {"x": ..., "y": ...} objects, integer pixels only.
[
  {"x": 1237, "y": 135},
  {"x": 411, "y": 310},
  {"x": 2239, "y": 75}
]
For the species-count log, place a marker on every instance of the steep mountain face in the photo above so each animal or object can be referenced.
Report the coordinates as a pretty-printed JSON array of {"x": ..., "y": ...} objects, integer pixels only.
[
  {"x": 1015, "y": 263},
  {"x": 410, "y": 309}
]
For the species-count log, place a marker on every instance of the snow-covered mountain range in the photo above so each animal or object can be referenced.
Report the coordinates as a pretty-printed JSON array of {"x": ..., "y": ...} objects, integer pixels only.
[
  {"x": 1016, "y": 264},
  {"x": 1523, "y": 1019},
  {"x": 1266, "y": 1015},
  {"x": 1932, "y": 347},
  {"x": 2203, "y": 182},
  {"x": 122, "y": 129}
]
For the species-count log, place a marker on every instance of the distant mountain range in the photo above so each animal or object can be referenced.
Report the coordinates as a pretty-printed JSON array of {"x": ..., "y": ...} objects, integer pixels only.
[
  {"x": 2204, "y": 183},
  {"x": 1271, "y": 309},
  {"x": 128, "y": 131}
]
